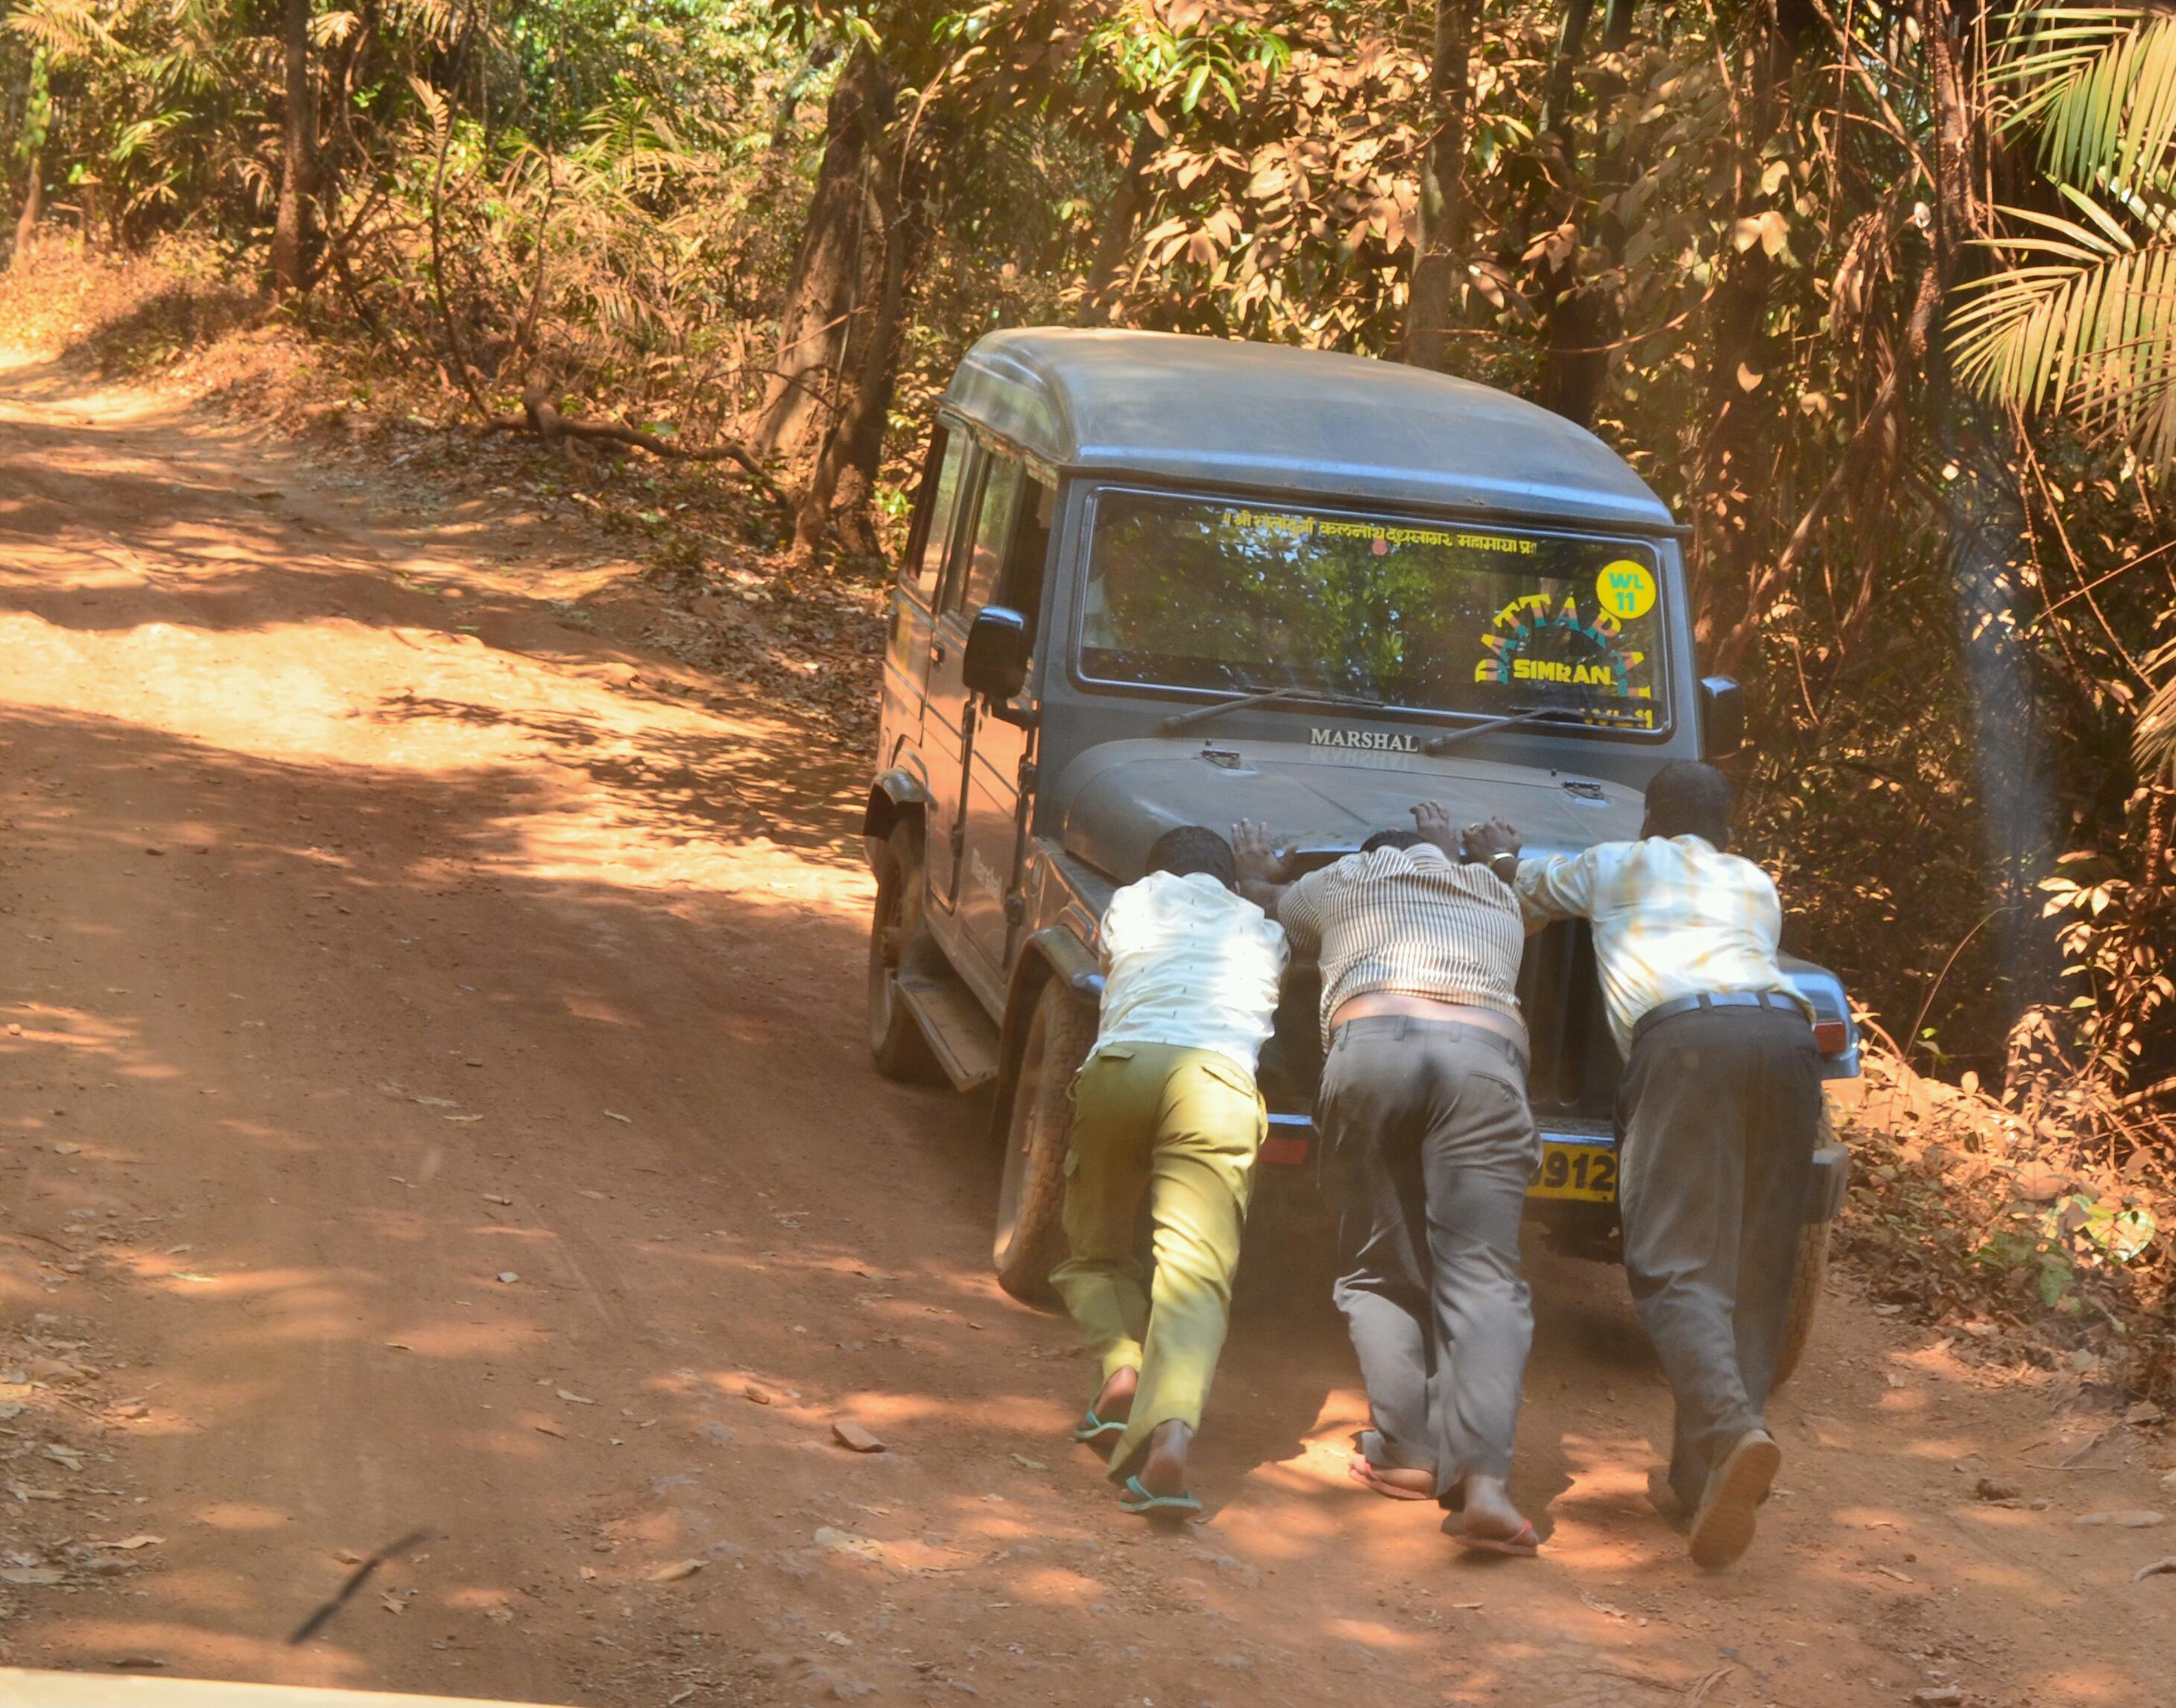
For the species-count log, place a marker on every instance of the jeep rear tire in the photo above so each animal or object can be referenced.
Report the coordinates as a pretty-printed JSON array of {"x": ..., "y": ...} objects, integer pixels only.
[
  {"x": 1811, "y": 1269},
  {"x": 1031, "y": 1233},
  {"x": 896, "y": 1040}
]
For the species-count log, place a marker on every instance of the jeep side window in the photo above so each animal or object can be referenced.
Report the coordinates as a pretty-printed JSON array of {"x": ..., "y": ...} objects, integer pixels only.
[
  {"x": 1021, "y": 587},
  {"x": 939, "y": 503},
  {"x": 1002, "y": 485}
]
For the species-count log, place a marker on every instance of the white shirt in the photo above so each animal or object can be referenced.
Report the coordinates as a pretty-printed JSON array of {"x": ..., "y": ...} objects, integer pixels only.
[
  {"x": 1188, "y": 962},
  {"x": 1673, "y": 918}
]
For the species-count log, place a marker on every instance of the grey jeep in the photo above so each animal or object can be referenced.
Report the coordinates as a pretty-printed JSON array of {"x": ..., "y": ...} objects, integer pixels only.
[{"x": 1155, "y": 580}]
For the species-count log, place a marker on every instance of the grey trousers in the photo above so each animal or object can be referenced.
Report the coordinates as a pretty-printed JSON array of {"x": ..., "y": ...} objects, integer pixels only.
[
  {"x": 1427, "y": 1147},
  {"x": 1719, "y": 1110}
]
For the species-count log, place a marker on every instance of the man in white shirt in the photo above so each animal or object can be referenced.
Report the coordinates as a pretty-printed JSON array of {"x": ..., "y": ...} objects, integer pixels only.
[
  {"x": 1166, "y": 1105},
  {"x": 1718, "y": 1113}
]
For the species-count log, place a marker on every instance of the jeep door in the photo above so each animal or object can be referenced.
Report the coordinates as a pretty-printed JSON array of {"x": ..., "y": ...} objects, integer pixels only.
[
  {"x": 1016, "y": 534},
  {"x": 975, "y": 759}
]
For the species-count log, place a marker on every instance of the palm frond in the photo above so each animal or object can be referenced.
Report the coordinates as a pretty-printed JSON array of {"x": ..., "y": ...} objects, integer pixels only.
[
  {"x": 66, "y": 30},
  {"x": 2085, "y": 324},
  {"x": 2099, "y": 82}
]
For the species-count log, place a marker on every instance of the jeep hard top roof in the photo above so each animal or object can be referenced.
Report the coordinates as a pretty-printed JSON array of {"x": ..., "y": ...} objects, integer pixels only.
[{"x": 1294, "y": 423}]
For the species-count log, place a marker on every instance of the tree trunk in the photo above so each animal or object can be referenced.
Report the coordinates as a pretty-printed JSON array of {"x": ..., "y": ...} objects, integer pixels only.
[
  {"x": 1442, "y": 211},
  {"x": 34, "y": 205},
  {"x": 828, "y": 269},
  {"x": 842, "y": 491},
  {"x": 1117, "y": 236},
  {"x": 1571, "y": 42},
  {"x": 291, "y": 229},
  {"x": 1730, "y": 488}
]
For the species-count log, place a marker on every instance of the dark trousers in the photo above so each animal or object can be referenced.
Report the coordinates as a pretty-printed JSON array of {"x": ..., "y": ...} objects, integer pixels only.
[
  {"x": 1427, "y": 1148},
  {"x": 1719, "y": 1110}
]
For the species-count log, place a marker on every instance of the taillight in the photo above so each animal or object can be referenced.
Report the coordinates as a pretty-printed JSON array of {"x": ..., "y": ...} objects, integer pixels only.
[{"x": 1831, "y": 1038}]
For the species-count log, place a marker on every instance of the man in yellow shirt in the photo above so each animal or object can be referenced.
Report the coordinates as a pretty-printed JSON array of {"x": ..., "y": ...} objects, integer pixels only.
[{"x": 1718, "y": 1113}]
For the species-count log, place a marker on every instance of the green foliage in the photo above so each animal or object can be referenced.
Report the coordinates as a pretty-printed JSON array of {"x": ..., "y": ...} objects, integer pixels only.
[{"x": 2082, "y": 318}]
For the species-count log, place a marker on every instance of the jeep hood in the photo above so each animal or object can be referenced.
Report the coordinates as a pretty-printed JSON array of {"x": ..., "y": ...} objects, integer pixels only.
[{"x": 1119, "y": 798}]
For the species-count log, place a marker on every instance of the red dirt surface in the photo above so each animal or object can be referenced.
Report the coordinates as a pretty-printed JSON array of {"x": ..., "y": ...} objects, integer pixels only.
[{"x": 432, "y": 1096}]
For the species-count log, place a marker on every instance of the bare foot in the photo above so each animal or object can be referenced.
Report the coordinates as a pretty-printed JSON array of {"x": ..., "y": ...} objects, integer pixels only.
[
  {"x": 1164, "y": 1470},
  {"x": 1419, "y": 1484},
  {"x": 1488, "y": 1513},
  {"x": 1115, "y": 1404}
]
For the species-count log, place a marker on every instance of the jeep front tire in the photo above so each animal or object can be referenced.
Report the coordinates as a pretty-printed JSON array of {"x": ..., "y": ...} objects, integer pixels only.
[
  {"x": 1031, "y": 1233},
  {"x": 1809, "y": 1270}
]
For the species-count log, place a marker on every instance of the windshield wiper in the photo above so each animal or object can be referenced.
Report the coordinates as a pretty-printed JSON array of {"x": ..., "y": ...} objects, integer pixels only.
[
  {"x": 1263, "y": 696},
  {"x": 1534, "y": 714}
]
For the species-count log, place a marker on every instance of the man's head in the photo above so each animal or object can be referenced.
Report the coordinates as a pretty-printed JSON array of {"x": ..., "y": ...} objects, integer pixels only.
[
  {"x": 1192, "y": 848},
  {"x": 1391, "y": 839},
  {"x": 1690, "y": 798}
]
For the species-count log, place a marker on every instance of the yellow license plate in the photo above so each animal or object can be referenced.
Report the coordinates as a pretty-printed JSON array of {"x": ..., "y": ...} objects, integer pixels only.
[{"x": 1587, "y": 1172}]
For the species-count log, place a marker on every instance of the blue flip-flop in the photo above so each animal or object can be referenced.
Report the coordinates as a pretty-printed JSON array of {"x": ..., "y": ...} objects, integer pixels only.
[
  {"x": 1092, "y": 1429},
  {"x": 1137, "y": 1500}
]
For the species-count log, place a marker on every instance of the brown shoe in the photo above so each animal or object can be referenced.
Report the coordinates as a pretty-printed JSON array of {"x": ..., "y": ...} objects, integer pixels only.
[{"x": 1723, "y": 1528}]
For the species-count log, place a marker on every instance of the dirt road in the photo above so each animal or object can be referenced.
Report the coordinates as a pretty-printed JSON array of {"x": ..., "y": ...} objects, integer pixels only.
[{"x": 432, "y": 1097}]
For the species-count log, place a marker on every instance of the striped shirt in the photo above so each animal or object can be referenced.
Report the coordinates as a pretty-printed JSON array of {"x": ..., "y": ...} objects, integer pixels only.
[
  {"x": 1673, "y": 918},
  {"x": 1410, "y": 920}
]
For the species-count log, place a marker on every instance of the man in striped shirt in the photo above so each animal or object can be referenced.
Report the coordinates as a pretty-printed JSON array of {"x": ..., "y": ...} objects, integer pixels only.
[
  {"x": 1427, "y": 1146},
  {"x": 1719, "y": 1111}
]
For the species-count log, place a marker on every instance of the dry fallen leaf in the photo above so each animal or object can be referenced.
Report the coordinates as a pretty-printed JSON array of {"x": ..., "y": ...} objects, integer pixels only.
[
  {"x": 134, "y": 1542},
  {"x": 674, "y": 1573},
  {"x": 752, "y": 1392},
  {"x": 2166, "y": 1563},
  {"x": 547, "y": 1428},
  {"x": 493, "y": 1197},
  {"x": 2130, "y": 1518},
  {"x": 573, "y": 1399},
  {"x": 617, "y": 1116},
  {"x": 62, "y": 1148},
  {"x": 392, "y": 1603},
  {"x": 1028, "y": 1464},
  {"x": 852, "y": 1436},
  {"x": 29, "y": 1577}
]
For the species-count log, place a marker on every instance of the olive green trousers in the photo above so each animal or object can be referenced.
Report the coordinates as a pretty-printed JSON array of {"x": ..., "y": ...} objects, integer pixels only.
[{"x": 1182, "y": 1126}]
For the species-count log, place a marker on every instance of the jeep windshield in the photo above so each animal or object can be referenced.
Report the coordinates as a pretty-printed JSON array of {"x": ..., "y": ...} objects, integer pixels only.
[{"x": 1190, "y": 592}]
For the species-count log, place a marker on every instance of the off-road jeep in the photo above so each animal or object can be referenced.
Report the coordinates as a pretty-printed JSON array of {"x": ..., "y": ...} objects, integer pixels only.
[{"x": 1155, "y": 580}]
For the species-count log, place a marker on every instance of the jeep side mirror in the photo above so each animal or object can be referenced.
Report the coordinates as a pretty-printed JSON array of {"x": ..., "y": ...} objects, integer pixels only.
[
  {"x": 996, "y": 663},
  {"x": 1722, "y": 717}
]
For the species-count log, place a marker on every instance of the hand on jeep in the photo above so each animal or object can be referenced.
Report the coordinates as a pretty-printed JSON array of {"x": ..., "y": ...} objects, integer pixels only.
[
  {"x": 1432, "y": 818},
  {"x": 1484, "y": 842},
  {"x": 1259, "y": 859}
]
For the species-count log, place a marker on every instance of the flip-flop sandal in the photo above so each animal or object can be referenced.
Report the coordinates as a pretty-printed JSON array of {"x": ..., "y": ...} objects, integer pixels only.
[
  {"x": 1524, "y": 1546},
  {"x": 1092, "y": 1430},
  {"x": 1366, "y": 1475},
  {"x": 1723, "y": 1528},
  {"x": 1138, "y": 1500}
]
